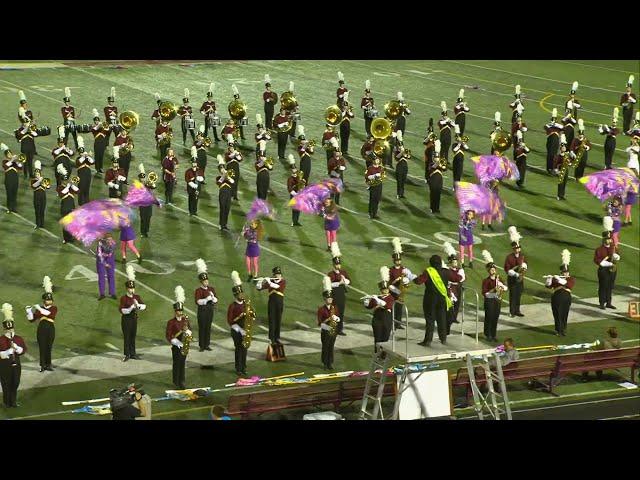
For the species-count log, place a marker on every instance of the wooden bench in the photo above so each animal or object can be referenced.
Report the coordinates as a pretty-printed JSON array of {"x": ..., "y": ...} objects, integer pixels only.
[{"x": 276, "y": 399}]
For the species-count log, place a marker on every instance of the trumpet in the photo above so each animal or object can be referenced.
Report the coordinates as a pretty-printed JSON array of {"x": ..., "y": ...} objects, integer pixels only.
[
  {"x": 46, "y": 182},
  {"x": 187, "y": 339},
  {"x": 269, "y": 163},
  {"x": 249, "y": 319},
  {"x": 206, "y": 142},
  {"x": 465, "y": 138},
  {"x": 22, "y": 158},
  {"x": 301, "y": 182},
  {"x": 152, "y": 179},
  {"x": 75, "y": 180}
]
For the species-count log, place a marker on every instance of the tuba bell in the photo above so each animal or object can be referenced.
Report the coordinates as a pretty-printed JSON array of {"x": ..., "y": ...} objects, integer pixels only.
[
  {"x": 75, "y": 180},
  {"x": 237, "y": 109},
  {"x": 333, "y": 115},
  {"x": 380, "y": 146},
  {"x": 381, "y": 128},
  {"x": 129, "y": 120},
  {"x": 168, "y": 111},
  {"x": 152, "y": 179},
  {"x": 501, "y": 141},
  {"x": 288, "y": 101},
  {"x": 393, "y": 109},
  {"x": 46, "y": 182}
]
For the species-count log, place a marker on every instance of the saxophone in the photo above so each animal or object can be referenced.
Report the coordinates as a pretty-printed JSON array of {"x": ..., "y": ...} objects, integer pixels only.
[
  {"x": 567, "y": 162},
  {"x": 580, "y": 151},
  {"x": 333, "y": 324},
  {"x": 249, "y": 319},
  {"x": 186, "y": 344}
]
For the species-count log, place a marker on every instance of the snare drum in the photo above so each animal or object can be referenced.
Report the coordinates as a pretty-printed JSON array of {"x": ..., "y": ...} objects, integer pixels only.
[
  {"x": 296, "y": 117},
  {"x": 84, "y": 128},
  {"x": 215, "y": 120},
  {"x": 244, "y": 122},
  {"x": 191, "y": 123},
  {"x": 371, "y": 113},
  {"x": 43, "y": 131}
]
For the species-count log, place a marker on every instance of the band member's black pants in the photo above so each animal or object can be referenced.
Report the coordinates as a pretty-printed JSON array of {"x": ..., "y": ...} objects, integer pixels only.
[
  {"x": 193, "y": 200},
  {"x": 224, "y": 202},
  {"x": 562, "y": 186},
  {"x": 115, "y": 192},
  {"x": 292, "y": 132},
  {"x": 163, "y": 151},
  {"x": 28, "y": 164},
  {"x": 609, "y": 150},
  {"x": 515, "y": 294},
  {"x": 521, "y": 163},
  {"x": 569, "y": 133},
  {"x": 581, "y": 165},
  {"x": 305, "y": 166},
  {"x": 202, "y": 159},
  {"x": 10, "y": 380},
  {"x": 435, "y": 310},
  {"x": 11, "y": 185},
  {"x": 275, "y": 309},
  {"x": 178, "y": 367},
  {"x": 45, "y": 334},
  {"x": 458, "y": 165},
  {"x": 124, "y": 162},
  {"x": 435, "y": 190},
  {"x": 236, "y": 177},
  {"x": 282, "y": 144},
  {"x": 67, "y": 206},
  {"x": 295, "y": 214},
  {"x": 129, "y": 325},
  {"x": 205, "y": 318},
  {"x": 240, "y": 352},
  {"x": 145, "y": 219},
  {"x": 329, "y": 153},
  {"x": 40, "y": 206},
  {"x": 627, "y": 116},
  {"x": 184, "y": 134},
  {"x": 461, "y": 120},
  {"x": 340, "y": 301},
  {"x": 168, "y": 191},
  {"x": 207, "y": 125},
  {"x": 445, "y": 143},
  {"x": 401, "y": 124},
  {"x": 74, "y": 134},
  {"x": 491, "y": 316},
  {"x": 345, "y": 132},
  {"x": 85, "y": 185},
  {"x": 402, "y": 170},
  {"x": 375, "y": 194},
  {"x": 99, "y": 146},
  {"x": 560, "y": 305},
  {"x": 452, "y": 315},
  {"x": 262, "y": 184},
  {"x": 382, "y": 325},
  {"x": 268, "y": 115},
  {"x": 328, "y": 341},
  {"x": 367, "y": 124},
  {"x": 553, "y": 143},
  {"x": 398, "y": 310},
  {"x": 605, "y": 285}
]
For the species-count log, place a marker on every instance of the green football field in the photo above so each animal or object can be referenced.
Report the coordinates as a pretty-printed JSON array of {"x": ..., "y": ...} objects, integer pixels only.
[{"x": 90, "y": 329}]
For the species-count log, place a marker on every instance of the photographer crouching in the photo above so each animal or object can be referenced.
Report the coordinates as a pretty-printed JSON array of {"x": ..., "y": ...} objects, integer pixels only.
[{"x": 130, "y": 404}]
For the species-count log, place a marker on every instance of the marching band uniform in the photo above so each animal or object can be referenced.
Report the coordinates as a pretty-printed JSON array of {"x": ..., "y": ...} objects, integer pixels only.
[
  {"x": 402, "y": 165},
  {"x": 569, "y": 124},
  {"x": 335, "y": 169},
  {"x": 460, "y": 110},
  {"x": 208, "y": 109},
  {"x": 100, "y": 136},
  {"x": 339, "y": 281},
  {"x": 262, "y": 175},
  {"x": 399, "y": 278},
  {"x": 515, "y": 265},
  {"x": 12, "y": 347},
  {"x": 67, "y": 192},
  {"x": 435, "y": 301},
  {"x": 515, "y": 110},
  {"x": 106, "y": 265},
  {"x": 627, "y": 102},
  {"x": 163, "y": 142},
  {"x": 262, "y": 135},
  {"x": 341, "y": 90},
  {"x": 68, "y": 113},
  {"x": 325, "y": 313},
  {"x": 270, "y": 99},
  {"x": 12, "y": 168},
  {"x": 435, "y": 180},
  {"x": 225, "y": 184},
  {"x": 520, "y": 155},
  {"x": 367, "y": 104},
  {"x": 39, "y": 195},
  {"x": 575, "y": 147},
  {"x": 130, "y": 304},
  {"x": 401, "y": 121},
  {"x": 111, "y": 113},
  {"x": 345, "y": 125},
  {"x": 491, "y": 302},
  {"x": 114, "y": 179},
  {"x": 83, "y": 164},
  {"x": 169, "y": 165},
  {"x": 458, "y": 156},
  {"x": 187, "y": 123},
  {"x": 429, "y": 149},
  {"x": 177, "y": 330},
  {"x": 305, "y": 150},
  {"x": 205, "y": 297},
  {"x": 294, "y": 185},
  {"x": 553, "y": 130},
  {"x": 24, "y": 113},
  {"x": 280, "y": 121},
  {"x": 25, "y": 136},
  {"x": 201, "y": 150},
  {"x": 236, "y": 320},
  {"x": 373, "y": 178},
  {"x": 456, "y": 277},
  {"x": 124, "y": 154},
  {"x": 445, "y": 124},
  {"x": 236, "y": 96},
  {"x": 193, "y": 177},
  {"x": 232, "y": 158},
  {"x": 382, "y": 304},
  {"x": 562, "y": 158},
  {"x": 367, "y": 151},
  {"x": 276, "y": 287},
  {"x": 518, "y": 126},
  {"x": 61, "y": 155},
  {"x": 572, "y": 104},
  {"x": 329, "y": 134},
  {"x": 610, "y": 142},
  {"x": 45, "y": 315},
  {"x": 561, "y": 286},
  {"x": 605, "y": 257},
  {"x": 147, "y": 211}
]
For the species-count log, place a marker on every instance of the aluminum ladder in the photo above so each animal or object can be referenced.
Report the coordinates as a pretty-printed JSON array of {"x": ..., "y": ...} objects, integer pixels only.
[
  {"x": 493, "y": 404},
  {"x": 379, "y": 362}
]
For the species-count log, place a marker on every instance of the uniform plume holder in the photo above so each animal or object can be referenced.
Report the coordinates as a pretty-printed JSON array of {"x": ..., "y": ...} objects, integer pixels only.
[{"x": 275, "y": 352}]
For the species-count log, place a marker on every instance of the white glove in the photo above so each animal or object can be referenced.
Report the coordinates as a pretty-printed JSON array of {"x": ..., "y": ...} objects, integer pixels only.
[
  {"x": 342, "y": 167},
  {"x": 116, "y": 186},
  {"x": 188, "y": 332},
  {"x": 65, "y": 190},
  {"x": 513, "y": 273},
  {"x": 193, "y": 185},
  {"x": 365, "y": 302},
  {"x": 200, "y": 178},
  {"x": 231, "y": 180},
  {"x": 405, "y": 281},
  {"x": 524, "y": 265},
  {"x": 74, "y": 188},
  {"x": 562, "y": 281},
  {"x": 19, "y": 349},
  {"x": 142, "y": 306},
  {"x": 214, "y": 299},
  {"x": 176, "y": 342},
  {"x": 381, "y": 303},
  {"x": 121, "y": 178},
  {"x": 273, "y": 284},
  {"x": 616, "y": 257},
  {"x": 606, "y": 263},
  {"x": 6, "y": 354},
  {"x": 29, "y": 313}
]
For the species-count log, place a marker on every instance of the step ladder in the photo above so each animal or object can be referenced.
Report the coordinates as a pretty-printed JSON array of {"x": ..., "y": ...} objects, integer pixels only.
[
  {"x": 493, "y": 404},
  {"x": 375, "y": 379}
]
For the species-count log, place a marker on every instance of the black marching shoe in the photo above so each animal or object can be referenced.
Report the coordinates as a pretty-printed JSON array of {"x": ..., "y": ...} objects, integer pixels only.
[
  {"x": 601, "y": 307},
  {"x": 342, "y": 333},
  {"x": 520, "y": 314},
  {"x": 208, "y": 349},
  {"x": 126, "y": 358},
  {"x": 424, "y": 343},
  {"x": 101, "y": 297},
  {"x": 42, "y": 369},
  {"x": 611, "y": 307}
]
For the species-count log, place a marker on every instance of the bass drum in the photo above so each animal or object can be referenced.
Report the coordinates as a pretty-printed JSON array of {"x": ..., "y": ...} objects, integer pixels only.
[
  {"x": 43, "y": 131},
  {"x": 84, "y": 128}
]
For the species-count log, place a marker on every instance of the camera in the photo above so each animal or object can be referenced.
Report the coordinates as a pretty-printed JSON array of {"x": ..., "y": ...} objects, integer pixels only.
[{"x": 119, "y": 399}]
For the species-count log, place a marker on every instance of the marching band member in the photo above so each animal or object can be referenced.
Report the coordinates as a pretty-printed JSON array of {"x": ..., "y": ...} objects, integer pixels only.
[
  {"x": 336, "y": 167},
  {"x": 205, "y": 297},
  {"x": 232, "y": 158},
  {"x": 331, "y": 221},
  {"x": 225, "y": 185},
  {"x": 179, "y": 335},
  {"x": 305, "y": 150},
  {"x": 402, "y": 156},
  {"x": 400, "y": 278},
  {"x": 635, "y": 130},
  {"x": 25, "y": 115},
  {"x": 163, "y": 135},
  {"x": 114, "y": 178},
  {"x": 465, "y": 235},
  {"x": 345, "y": 124},
  {"x": 459, "y": 147},
  {"x": 606, "y": 258},
  {"x": 627, "y": 102},
  {"x": 236, "y": 96},
  {"x": 100, "y": 133},
  {"x": 262, "y": 133},
  {"x": 327, "y": 143},
  {"x": 341, "y": 90},
  {"x": 111, "y": 113},
  {"x": 276, "y": 286},
  {"x": 492, "y": 288},
  {"x": 208, "y": 109},
  {"x": 515, "y": 265},
  {"x": 169, "y": 167},
  {"x": 614, "y": 210},
  {"x": 263, "y": 167},
  {"x": 156, "y": 113},
  {"x": 39, "y": 195},
  {"x": 67, "y": 192},
  {"x": 147, "y": 211},
  {"x": 252, "y": 232},
  {"x": 125, "y": 144},
  {"x": 339, "y": 281},
  {"x": 69, "y": 117},
  {"x": 295, "y": 183},
  {"x": 294, "y": 114},
  {"x": 561, "y": 297},
  {"x": 429, "y": 143},
  {"x": 610, "y": 142},
  {"x": 382, "y": 304},
  {"x": 127, "y": 239},
  {"x": 454, "y": 285},
  {"x": 497, "y": 127},
  {"x": 25, "y": 135},
  {"x": 401, "y": 121},
  {"x": 194, "y": 178},
  {"x": 445, "y": 124},
  {"x": 515, "y": 111},
  {"x": 494, "y": 186},
  {"x": 12, "y": 347},
  {"x": 520, "y": 155},
  {"x": 633, "y": 151},
  {"x": 106, "y": 265},
  {"x": 328, "y": 316},
  {"x": 367, "y": 104},
  {"x": 280, "y": 123},
  {"x": 270, "y": 99},
  {"x": 374, "y": 178},
  {"x": 435, "y": 179},
  {"x": 580, "y": 141},
  {"x": 367, "y": 151},
  {"x": 61, "y": 155},
  {"x": 201, "y": 150},
  {"x": 572, "y": 102},
  {"x": 83, "y": 164},
  {"x": 435, "y": 301},
  {"x": 460, "y": 110},
  {"x": 187, "y": 123},
  {"x": 569, "y": 123},
  {"x": 12, "y": 168},
  {"x": 130, "y": 305},
  {"x": 236, "y": 318},
  {"x": 518, "y": 126},
  {"x": 553, "y": 130},
  {"x": 561, "y": 164},
  {"x": 45, "y": 315}
]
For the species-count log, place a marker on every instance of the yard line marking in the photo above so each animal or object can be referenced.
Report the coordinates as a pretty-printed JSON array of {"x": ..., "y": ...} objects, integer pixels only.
[
  {"x": 219, "y": 328},
  {"x": 595, "y": 66},
  {"x": 634, "y": 287},
  {"x": 262, "y": 327},
  {"x": 623, "y": 416},
  {"x": 303, "y": 325},
  {"x": 575, "y": 404},
  {"x": 29, "y": 357},
  {"x": 539, "y": 298},
  {"x": 111, "y": 346},
  {"x": 42, "y": 415},
  {"x": 71, "y": 352}
]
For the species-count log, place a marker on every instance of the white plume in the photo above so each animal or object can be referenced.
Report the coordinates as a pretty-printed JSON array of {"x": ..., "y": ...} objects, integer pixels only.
[
  {"x": 461, "y": 93},
  {"x": 631, "y": 79},
  {"x": 437, "y": 147},
  {"x": 615, "y": 114},
  {"x": 21, "y": 95},
  {"x": 581, "y": 125},
  {"x": 487, "y": 256},
  {"x": 291, "y": 85},
  {"x": 291, "y": 159},
  {"x": 443, "y": 106},
  {"x": 235, "y": 89},
  {"x": 157, "y": 95},
  {"x": 61, "y": 170},
  {"x": 180, "y": 296},
  {"x": 607, "y": 224},
  {"x": 201, "y": 265},
  {"x": 326, "y": 284},
  {"x": 113, "y": 92},
  {"x": 574, "y": 86},
  {"x": 262, "y": 145},
  {"x": 448, "y": 249},
  {"x": 335, "y": 250},
  {"x": 131, "y": 273},
  {"x": 267, "y": 78},
  {"x": 186, "y": 93},
  {"x": 211, "y": 87},
  {"x": 258, "y": 119},
  {"x": 514, "y": 235},
  {"x": 397, "y": 245},
  {"x": 566, "y": 257},
  {"x": 220, "y": 159},
  {"x": 201, "y": 128},
  {"x": 67, "y": 92},
  {"x": 497, "y": 117},
  {"x": 47, "y": 285},
  {"x": 95, "y": 113},
  {"x": 367, "y": 84},
  {"x": 400, "y": 96},
  {"x": 340, "y": 76},
  {"x": 7, "y": 311},
  {"x": 3, "y": 147},
  {"x": 384, "y": 274},
  {"x": 235, "y": 278},
  {"x": 517, "y": 89},
  {"x": 554, "y": 113},
  {"x": 37, "y": 165},
  {"x": 141, "y": 168},
  {"x": 300, "y": 130},
  {"x": 80, "y": 142}
]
